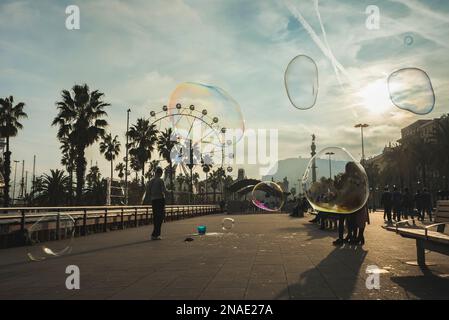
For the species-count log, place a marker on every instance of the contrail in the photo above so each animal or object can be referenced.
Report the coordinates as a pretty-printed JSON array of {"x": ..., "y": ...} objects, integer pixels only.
[
  {"x": 323, "y": 31},
  {"x": 326, "y": 50}
]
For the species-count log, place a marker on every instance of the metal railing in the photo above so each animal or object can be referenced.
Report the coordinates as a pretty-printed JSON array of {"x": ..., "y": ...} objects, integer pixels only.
[{"x": 14, "y": 224}]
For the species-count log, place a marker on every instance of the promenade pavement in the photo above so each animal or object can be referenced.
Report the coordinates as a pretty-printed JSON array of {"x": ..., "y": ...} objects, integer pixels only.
[{"x": 265, "y": 256}]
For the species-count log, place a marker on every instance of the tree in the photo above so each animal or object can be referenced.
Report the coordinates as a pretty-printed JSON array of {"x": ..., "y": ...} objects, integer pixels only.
[
  {"x": 142, "y": 138},
  {"x": 165, "y": 144},
  {"x": 52, "y": 188},
  {"x": 68, "y": 161},
  {"x": 10, "y": 115},
  {"x": 180, "y": 179},
  {"x": 81, "y": 118},
  {"x": 120, "y": 168},
  {"x": 110, "y": 147}
]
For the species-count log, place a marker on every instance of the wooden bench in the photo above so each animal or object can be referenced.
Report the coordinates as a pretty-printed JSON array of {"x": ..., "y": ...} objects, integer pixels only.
[{"x": 431, "y": 237}]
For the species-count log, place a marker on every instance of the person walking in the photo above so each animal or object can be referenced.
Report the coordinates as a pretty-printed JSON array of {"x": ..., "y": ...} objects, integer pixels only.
[
  {"x": 407, "y": 203},
  {"x": 156, "y": 191},
  {"x": 361, "y": 218},
  {"x": 426, "y": 204},
  {"x": 397, "y": 204},
  {"x": 386, "y": 201},
  {"x": 418, "y": 204}
]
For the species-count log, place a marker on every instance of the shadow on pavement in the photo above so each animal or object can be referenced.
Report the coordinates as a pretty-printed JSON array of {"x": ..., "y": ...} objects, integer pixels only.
[
  {"x": 334, "y": 277},
  {"x": 426, "y": 286}
]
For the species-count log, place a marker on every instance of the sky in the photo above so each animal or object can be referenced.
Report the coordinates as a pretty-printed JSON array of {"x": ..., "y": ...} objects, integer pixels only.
[{"x": 137, "y": 52}]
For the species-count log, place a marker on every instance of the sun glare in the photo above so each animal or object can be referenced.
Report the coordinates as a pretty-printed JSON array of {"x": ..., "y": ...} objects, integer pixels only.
[{"x": 374, "y": 97}]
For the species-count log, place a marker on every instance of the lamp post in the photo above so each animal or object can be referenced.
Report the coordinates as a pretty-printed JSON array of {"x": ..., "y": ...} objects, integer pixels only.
[
  {"x": 126, "y": 157},
  {"x": 361, "y": 126},
  {"x": 330, "y": 169},
  {"x": 14, "y": 185}
]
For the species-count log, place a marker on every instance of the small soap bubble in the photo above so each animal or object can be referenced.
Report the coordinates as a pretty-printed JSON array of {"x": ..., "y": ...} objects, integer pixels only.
[
  {"x": 50, "y": 236},
  {"x": 227, "y": 224},
  {"x": 268, "y": 195}
]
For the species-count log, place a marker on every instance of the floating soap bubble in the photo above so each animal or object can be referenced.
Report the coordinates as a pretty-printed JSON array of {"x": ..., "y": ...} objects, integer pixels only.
[
  {"x": 227, "y": 224},
  {"x": 50, "y": 236},
  {"x": 338, "y": 184},
  {"x": 411, "y": 89},
  {"x": 268, "y": 196},
  {"x": 301, "y": 82},
  {"x": 221, "y": 116}
]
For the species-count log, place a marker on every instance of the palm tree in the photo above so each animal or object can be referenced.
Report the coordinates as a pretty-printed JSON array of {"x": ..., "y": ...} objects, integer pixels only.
[
  {"x": 142, "y": 138},
  {"x": 206, "y": 165},
  {"x": 81, "y": 118},
  {"x": 120, "y": 168},
  {"x": 68, "y": 160},
  {"x": 53, "y": 188},
  {"x": 165, "y": 145},
  {"x": 214, "y": 179},
  {"x": 10, "y": 115},
  {"x": 110, "y": 147},
  {"x": 134, "y": 164},
  {"x": 93, "y": 177},
  {"x": 180, "y": 179}
]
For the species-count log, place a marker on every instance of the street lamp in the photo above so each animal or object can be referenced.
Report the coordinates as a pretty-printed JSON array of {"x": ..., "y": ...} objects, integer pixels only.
[
  {"x": 330, "y": 169},
  {"x": 361, "y": 126},
  {"x": 126, "y": 157},
  {"x": 14, "y": 185}
]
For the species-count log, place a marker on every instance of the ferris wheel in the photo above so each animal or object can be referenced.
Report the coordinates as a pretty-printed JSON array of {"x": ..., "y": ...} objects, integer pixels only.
[{"x": 200, "y": 138}]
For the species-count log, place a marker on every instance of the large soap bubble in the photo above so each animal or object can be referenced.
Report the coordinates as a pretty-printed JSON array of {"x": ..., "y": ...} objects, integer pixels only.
[
  {"x": 335, "y": 182},
  {"x": 411, "y": 89},
  {"x": 268, "y": 195},
  {"x": 212, "y": 113},
  {"x": 301, "y": 82},
  {"x": 51, "y": 236}
]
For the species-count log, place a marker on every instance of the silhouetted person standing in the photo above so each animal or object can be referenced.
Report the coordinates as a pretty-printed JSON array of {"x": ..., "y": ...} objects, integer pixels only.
[
  {"x": 157, "y": 191},
  {"x": 407, "y": 203},
  {"x": 426, "y": 204},
  {"x": 418, "y": 204},
  {"x": 397, "y": 204},
  {"x": 386, "y": 201}
]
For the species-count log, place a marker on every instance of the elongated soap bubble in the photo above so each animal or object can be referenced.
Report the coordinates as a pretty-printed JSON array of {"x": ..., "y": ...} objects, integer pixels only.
[
  {"x": 411, "y": 89},
  {"x": 335, "y": 182},
  {"x": 301, "y": 82},
  {"x": 268, "y": 195}
]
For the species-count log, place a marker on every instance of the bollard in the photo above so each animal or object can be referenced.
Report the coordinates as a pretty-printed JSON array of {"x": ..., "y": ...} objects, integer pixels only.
[{"x": 121, "y": 219}]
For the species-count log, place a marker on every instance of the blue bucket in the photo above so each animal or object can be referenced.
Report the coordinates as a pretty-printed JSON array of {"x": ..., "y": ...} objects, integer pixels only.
[{"x": 201, "y": 230}]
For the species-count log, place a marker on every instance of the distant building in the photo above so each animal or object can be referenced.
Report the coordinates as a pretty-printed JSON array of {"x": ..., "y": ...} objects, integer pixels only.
[{"x": 425, "y": 129}]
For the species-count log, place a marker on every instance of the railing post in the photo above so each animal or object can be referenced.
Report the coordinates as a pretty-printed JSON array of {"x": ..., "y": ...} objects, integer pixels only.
[
  {"x": 146, "y": 216},
  {"x": 22, "y": 221},
  {"x": 105, "y": 225},
  {"x": 58, "y": 224},
  {"x": 135, "y": 217},
  {"x": 85, "y": 222},
  {"x": 121, "y": 219}
]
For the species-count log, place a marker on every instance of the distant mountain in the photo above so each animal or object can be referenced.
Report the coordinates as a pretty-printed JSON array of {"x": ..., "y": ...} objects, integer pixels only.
[{"x": 294, "y": 168}]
